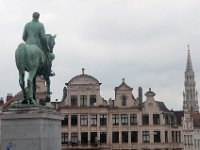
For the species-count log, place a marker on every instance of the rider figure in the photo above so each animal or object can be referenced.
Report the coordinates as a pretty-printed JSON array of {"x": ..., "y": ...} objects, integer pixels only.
[{"x": 34, "y": 33}]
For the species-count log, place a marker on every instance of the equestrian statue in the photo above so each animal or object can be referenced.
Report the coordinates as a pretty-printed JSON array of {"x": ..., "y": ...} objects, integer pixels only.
[{"x": 35, "y": 56}]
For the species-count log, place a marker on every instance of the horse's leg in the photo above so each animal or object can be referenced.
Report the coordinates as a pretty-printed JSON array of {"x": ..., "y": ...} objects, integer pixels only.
[
  {"x": 31, "y": 75},
  {"x": 34, "y": 87},
  {"x": 22, "y": 85}
]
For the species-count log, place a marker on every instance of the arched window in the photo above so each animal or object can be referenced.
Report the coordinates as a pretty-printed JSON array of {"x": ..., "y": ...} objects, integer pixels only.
[
  {"x": 190, "y": 93},
  {"x": 192, "y": 109},
  {"x": 187, "y": 94}
]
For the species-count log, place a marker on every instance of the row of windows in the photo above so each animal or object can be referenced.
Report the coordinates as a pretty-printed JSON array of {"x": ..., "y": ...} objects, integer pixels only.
[
  {"x": 124, "y": 119},
  {"x": 92, "y": 100},
  {"x": 83, "y": 100},
  {"x": 103, "y": 137},
  {"x": 84, "y": 138},
  {"x": 145, "y": 119},
  {"x": 124, "y": 137},
  {"x": 197, "y": 144},
  {"x": 188, "y": 139},
  {"x": 84, "y": 120},
  {"x": 176, "y": 136},
  {"x": 115, "y": 137},
  {"x": 115, "y": 119},
  {"x": 146, "y": 136}
]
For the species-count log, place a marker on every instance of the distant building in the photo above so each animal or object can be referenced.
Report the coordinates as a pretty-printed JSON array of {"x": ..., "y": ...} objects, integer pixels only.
[
  {"x": 191, "y": 119},
  {"x": 1, "y": 102},
  {"x": 124, "y": 123},
  {"x": 41, "y": 90},
  {"x": 190, "y": 95}
]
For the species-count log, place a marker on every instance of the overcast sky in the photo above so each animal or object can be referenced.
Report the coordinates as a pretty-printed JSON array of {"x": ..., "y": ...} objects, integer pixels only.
[{"x": 143, "y": 41}]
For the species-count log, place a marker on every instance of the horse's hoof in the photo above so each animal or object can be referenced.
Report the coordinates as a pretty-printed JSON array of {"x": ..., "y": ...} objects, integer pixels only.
[
  {"x": 24, "y": 102},
  {"x": 47, "y": 100},
  {"x": 32, "y": 102}
]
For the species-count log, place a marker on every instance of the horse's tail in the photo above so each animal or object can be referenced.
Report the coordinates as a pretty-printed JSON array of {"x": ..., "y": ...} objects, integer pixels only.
[{"x": 20, "y": 57}]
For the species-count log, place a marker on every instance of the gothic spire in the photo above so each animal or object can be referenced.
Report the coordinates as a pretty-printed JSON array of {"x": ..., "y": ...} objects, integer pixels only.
[
  {"x": 190, "y": 101},
  {"x": 189, "y": 61}
]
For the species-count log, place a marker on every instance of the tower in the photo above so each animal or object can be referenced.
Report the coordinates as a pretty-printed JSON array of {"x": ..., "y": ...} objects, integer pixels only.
[{"x": 190, "y": 99}]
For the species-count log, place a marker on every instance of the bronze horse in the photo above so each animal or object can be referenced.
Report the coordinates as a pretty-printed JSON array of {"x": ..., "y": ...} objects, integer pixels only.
[{"x": 30, "y": 58}]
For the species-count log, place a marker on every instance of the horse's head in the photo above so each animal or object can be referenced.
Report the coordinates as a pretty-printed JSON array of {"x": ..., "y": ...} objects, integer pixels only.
[{"x": 50, "y": 42}]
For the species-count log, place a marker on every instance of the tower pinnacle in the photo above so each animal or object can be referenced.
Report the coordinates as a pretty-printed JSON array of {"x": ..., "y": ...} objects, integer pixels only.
[
  {"x": 188, "y": 46},
  {"x": 189, "y": 61},
  {"x": 190, "y": 101}
]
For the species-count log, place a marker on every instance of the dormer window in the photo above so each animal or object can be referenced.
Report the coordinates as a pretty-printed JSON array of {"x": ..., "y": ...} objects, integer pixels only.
[
  {"x": 74, "y": 100},
  {"x": 124, "y": 100}
]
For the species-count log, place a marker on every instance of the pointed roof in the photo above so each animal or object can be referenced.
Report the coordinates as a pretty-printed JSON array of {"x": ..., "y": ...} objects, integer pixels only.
[
  {"x": 123, "y": 84},
  {"x": 16, "y": 98},
  {"x": 189, "y": 61}
]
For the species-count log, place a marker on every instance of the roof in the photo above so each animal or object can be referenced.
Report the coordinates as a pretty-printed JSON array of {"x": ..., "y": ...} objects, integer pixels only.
[
  {"x": 189, "y": 62},
  {"x": 195, "y": 116},
  {"x": 17, "y": 97},
  {"x": 83, "y": 79},
  {"x": 196, "y": 120},
  {"x": 162, "y": 106},
  {"x": 179, "y": 115},
  {"x": 123, "y": 84}
]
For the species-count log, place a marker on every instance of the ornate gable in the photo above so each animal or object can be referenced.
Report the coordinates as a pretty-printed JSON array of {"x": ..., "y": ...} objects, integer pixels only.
[
  {"x": 83, "y": 79},
  {"x": 123, "y": 87},
  {"x": 124, "y": 96}
]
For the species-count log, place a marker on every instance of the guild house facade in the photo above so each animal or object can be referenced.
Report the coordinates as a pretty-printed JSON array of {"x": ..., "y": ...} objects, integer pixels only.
[
  {"x": 127, "y": 122},
  {"x": 123, "y": 123}
]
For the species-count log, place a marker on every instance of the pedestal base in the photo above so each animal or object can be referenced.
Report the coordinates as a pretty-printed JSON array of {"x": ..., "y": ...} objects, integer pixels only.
[{"x": 31, "y": 129}]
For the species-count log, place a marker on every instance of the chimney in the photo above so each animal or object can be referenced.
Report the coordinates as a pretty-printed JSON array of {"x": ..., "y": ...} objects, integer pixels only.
[{"x": 140, "y": 94}]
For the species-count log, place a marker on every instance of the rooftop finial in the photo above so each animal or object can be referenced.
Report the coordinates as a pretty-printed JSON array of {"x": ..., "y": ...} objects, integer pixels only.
[
  {"x": 123, "y": 79},
  {"x": 189, "y": 60},
  {"x": 188, "y": 46},
  {"x": 83, "y": 70}
]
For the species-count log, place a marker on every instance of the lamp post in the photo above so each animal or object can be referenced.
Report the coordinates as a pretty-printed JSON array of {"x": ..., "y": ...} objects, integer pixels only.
[{"x": 56, "y": 106}]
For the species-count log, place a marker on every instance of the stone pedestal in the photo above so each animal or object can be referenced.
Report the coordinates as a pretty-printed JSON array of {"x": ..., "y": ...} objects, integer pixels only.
[{"x": 31, "y": 129}]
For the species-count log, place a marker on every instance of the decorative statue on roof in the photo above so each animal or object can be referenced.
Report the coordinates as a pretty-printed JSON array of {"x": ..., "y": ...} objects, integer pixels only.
[{"x": 35, "y": 56}]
